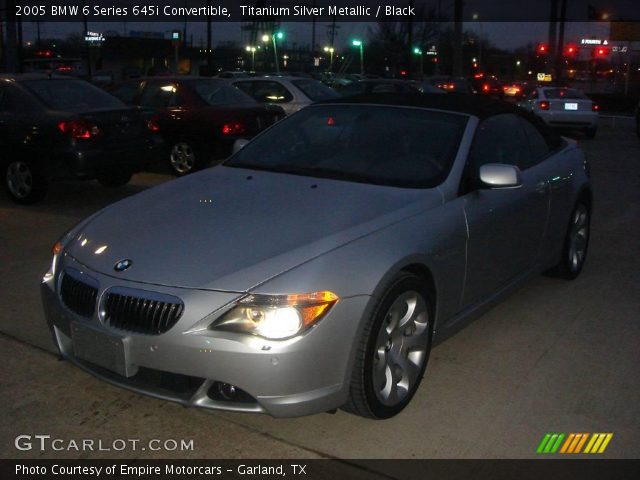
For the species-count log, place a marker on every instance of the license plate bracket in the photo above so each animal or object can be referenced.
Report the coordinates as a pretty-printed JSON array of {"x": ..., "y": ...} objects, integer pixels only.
[{"x": 103, "y": 349}]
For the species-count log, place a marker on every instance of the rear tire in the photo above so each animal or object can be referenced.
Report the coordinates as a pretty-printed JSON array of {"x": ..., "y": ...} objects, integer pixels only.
[
  {"x": 576, "y": 243},
  {"x": 24, "y": 182},
  {"x": 114, "y": 178},
  {"x": 393, "y": 351},
  {"x": 184, "y": 158}
]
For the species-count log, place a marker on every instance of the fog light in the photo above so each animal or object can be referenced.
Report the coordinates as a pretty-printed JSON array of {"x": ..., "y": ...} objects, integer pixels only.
[{"x": 227, "y": 391}]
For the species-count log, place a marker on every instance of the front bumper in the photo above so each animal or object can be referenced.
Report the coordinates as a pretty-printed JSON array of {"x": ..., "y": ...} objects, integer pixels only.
[{"x": 305, "y": 375}]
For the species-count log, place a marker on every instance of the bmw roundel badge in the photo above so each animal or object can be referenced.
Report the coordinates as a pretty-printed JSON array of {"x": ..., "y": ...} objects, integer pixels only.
[{"x": 122, "y": 265}]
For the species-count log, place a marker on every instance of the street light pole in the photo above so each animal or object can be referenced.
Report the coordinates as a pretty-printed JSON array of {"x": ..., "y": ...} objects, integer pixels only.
[
  {"x": 253, "y": 57},
  {"x": 418, "y": 51},
  {"x": 275, "y": 54},
  {"x": 330, "y": 50},
  {"x": 279, "y": 35},
  {"x": 360, "y": 44}
]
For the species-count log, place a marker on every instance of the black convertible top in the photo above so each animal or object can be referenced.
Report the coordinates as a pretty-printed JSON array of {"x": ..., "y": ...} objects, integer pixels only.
[{"x": 476, "y": 105}]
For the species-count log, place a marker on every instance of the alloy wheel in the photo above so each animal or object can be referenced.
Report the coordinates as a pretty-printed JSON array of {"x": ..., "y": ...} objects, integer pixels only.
[
  {"x": 401, "y": 349},
  {"x": 182, "y": 158},
  {"x": 19, "y": 179},
  {"x": 579, "y": 237}
]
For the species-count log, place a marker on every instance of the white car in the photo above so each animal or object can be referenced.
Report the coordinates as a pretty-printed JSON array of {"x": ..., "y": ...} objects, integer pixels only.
[
  {"x": 563, "y": 107},
  {"x": 290, "y": 93}
]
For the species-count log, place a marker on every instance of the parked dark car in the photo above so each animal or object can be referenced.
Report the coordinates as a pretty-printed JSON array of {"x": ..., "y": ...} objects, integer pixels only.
[
  {"x": 199, "y": 118},
  {"x": 451, "y": 84},
  {"x": 487, "y": 85},
  {"x": 57, "y": 126}
]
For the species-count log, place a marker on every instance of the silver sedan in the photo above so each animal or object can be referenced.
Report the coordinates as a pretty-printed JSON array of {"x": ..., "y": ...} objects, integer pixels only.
[
  {"x": 290, "y": 93},
  {"x": 562, "y": 107},
  {"x": 316, "y": 268}
]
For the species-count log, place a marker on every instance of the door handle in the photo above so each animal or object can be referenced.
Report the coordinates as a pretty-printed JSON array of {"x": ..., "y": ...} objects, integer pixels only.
[{"x": 542, "y": 187}]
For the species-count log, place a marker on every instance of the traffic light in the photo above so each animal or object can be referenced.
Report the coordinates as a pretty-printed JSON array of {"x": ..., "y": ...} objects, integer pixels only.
[
  {"x": 570, "y": 51},
  {"x": 543, "y": 49}
]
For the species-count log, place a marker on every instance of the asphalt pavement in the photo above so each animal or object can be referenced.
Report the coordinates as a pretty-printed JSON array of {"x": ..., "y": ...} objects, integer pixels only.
[{"x": 555, "y": 356}]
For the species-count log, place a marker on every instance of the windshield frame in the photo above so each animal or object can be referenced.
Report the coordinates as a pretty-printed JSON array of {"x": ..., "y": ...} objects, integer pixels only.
[{"x": 437, "y": 181}]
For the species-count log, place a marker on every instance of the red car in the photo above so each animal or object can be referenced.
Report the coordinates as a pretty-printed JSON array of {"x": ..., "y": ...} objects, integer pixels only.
[{"x": 198, "y": 118}]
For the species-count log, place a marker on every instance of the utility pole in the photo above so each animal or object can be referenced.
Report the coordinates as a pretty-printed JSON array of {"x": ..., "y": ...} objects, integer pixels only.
[
  {"x": 84, "y": 39},
  {"x": 313, "y": 36},
  {"x": 553, "y": 26},
  {"x": 457, "y": 38},
  {"x": 209, "y": 39},
  {"x": 409, "y": 47},
  {"x": 11, "y": 53},
  {"x": 560, "y": 46}
]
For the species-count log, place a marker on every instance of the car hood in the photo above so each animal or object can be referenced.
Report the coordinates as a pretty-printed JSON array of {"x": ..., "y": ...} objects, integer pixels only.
[{"x": 231, "y": 229}]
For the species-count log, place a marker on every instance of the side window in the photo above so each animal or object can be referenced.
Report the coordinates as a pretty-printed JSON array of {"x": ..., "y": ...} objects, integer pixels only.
[
  {"x": 246, "y": 87},
  {"x": 355, "y": 88},
  {"x": 160, "y": 95},
  {"x": 127, "y": 92},
  {"x": 538, "y": 146},
  {"x": 12, "y": 100},
  {"x": 498, "y": 139},
  {"x": 270, "y": 92}
]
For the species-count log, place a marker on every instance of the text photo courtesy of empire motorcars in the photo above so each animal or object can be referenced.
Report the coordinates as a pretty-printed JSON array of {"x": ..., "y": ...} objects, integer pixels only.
[{"x": 320, "y": 239}]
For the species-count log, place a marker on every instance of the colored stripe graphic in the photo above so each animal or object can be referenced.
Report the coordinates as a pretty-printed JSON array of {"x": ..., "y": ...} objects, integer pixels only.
[
  {"x": 598, "y": 442},
  {"x": 550, "y": 443},
  {"x": 573, "y": 443}
]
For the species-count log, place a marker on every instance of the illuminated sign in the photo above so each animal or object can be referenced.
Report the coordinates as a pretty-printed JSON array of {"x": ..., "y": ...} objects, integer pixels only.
[
  {"x": 544, "y": 77},
  {"x": 594, "y": 41},
  {"x": 94, "y": 38}
]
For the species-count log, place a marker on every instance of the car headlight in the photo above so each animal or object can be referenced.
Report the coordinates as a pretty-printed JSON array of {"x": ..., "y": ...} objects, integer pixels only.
[{"x": 276, "y": 317}]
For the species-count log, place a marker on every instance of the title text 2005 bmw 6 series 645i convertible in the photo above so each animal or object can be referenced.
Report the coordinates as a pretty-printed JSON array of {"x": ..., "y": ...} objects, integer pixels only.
[{"x": 318, "y": 265}]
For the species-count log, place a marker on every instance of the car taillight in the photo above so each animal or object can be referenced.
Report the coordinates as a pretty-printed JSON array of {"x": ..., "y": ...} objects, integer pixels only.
[
  {"x": 234, "y": 128},
  {"x": 544, "y": 105},
  {"x": 153, "y": 125},
  {"x": 595, "y": 107},
  {"x": 79, "y": 129},
  {"x": 485, "y": 87}
]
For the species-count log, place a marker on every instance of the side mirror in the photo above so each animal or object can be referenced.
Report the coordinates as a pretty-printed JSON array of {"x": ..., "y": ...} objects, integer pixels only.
[
  {"x": 498, "y": 175},
  {"x": 239, "y": 144}
]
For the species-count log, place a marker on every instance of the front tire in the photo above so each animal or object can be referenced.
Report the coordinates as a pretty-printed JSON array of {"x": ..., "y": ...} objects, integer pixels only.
[
  {"x": 393, "y": 352},
  {"x": 576, "y": 243},
  {"x": 24, "y": 182}
]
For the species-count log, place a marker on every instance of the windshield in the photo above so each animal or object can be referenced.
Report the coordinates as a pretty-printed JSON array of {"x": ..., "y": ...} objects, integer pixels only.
[
  {"x": 219, "y": 92},
  {"x": 63, "y": 94},
  {"x": 383, "y": 145},
  {"x": 560, "y": 93},
  {"x": 315, "y": 90}
]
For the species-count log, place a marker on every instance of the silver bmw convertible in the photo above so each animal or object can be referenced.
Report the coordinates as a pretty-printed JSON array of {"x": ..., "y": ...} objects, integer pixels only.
[{"x": 318, "y": 265}]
